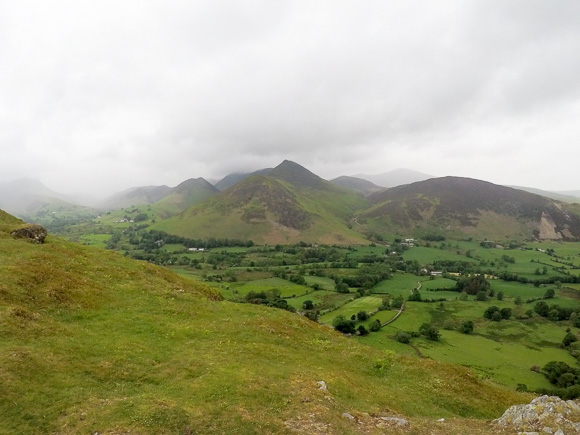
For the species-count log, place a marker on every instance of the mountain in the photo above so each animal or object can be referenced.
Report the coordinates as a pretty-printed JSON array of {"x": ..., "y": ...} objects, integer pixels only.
[
  {"x": 184, "y": 195},
  {"x": 455, "y": 205},
  {"x": 136, "y": 196},
  {"x": 95, "y": 342},
  {"x": 288, "y": 205},
  {"x": 553, "y": 195},
  {"x": 233, "y": 179},
  {"x": 27, "y": 196},
  {"x": 363, "y": 186},
  {"x": 573, "y": 193},
  {"x": 396, "y": 177}
]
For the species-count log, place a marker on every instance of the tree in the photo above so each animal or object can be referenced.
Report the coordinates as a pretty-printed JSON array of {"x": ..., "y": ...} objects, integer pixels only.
[
  {"x": 505, "y": 313},
  {"x": 415, "y": 296},
  {"x": 542, "y": 308},
  {"x": 362, "y": 330},
  {"x": 518, "y": 300},
  {"x": 467, "y": 327},
  {"x": 473, "y": 284},
  {"x": 462, "y": 296},
  {"x": 308, "y": 305},
  {"x": 343, "y": 325},
  {"x": 402, "y": 337},
  {"x": 550, "y": 293},
  {"x": 362, "y": 316},
  {"x": 488, "y": 314},
  {"x": 429, "y": 331},
  {"x": 481, "y": 296},
  {"x": 499, "y": 296},
  {"x": 496, "y": 317},
  {"x": 569, "y": 338},
  {"x": 341, "y": 287},
  {"x": 375, "y": 326},
  {"x": 397, "y": 302}
]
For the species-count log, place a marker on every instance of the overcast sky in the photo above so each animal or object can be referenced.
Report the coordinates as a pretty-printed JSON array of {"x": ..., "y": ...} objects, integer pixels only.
[{"x": 99, "y": 96}]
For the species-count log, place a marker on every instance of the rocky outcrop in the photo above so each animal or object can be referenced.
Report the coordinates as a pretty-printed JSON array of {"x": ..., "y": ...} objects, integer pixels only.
[
  {"x": 544, "y": 414},
  {"x": 34, "y": 233}
]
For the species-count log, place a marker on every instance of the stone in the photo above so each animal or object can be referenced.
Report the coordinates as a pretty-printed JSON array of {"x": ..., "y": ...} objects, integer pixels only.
[
  {"x": 34, "y": 233},
  {"x": 547, "y": 413},
  {"x": 322, "y": 386},
  {"x": 441, "y": 420},
  {"x": 347, "y": 415},
  {"x": 396, "y": 420}
]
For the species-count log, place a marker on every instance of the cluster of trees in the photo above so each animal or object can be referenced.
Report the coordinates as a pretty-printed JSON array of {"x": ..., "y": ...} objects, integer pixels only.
[
  {"x": 555, "y": 312},
  {"x": 474, "y": 284},
  {"x": 561, "y": 374},
  {"x": 496, "y": 314},
  {"x": 270, "y": 298},
  {"x": 150, "y": 239}
]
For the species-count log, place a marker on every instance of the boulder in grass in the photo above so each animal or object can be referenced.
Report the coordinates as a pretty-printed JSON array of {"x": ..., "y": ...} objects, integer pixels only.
[
  {"x": 543, "y": 412},
  {"x": 34, "y": 233}
]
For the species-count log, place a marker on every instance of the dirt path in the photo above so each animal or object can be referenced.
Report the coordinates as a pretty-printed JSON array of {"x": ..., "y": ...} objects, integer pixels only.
[{"x": 394, "y": 318}]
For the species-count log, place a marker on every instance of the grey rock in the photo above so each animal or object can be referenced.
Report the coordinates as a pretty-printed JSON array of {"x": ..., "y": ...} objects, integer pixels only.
[
  {"x": 322, "y": 386},
  {"x": 546, "y": 413},
  {"x": 347, "y": 415},
  {"x": 396, "y": 420},
  {"x": 34, "y": 233}
]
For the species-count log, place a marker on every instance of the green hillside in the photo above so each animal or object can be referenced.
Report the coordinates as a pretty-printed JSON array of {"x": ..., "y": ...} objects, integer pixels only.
[
  {"x": 94, "y": 342},
  {"x": 288, "y": 205},
  {"x": 461, "y": 206},
  {"x": 183, "y": 196}
]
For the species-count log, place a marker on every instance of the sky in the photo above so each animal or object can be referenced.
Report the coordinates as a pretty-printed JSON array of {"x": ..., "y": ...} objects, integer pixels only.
[{"x": 100, "y": 96}]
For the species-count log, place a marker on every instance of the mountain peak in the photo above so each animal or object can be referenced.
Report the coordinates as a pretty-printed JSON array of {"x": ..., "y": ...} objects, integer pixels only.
[{"x": 297, "y": 175}]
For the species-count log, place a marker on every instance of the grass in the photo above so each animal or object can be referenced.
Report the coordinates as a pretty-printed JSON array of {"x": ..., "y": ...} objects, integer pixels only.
[
  {"x": 503, "y": 351},
  {"x": 94, "y": 342},
  {"x": 367, "y": 303}
]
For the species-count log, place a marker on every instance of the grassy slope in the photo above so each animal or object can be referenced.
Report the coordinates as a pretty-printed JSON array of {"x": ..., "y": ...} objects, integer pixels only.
[
  {"x": 252, "y": 210},
  {"x": 95, "y": 342}
]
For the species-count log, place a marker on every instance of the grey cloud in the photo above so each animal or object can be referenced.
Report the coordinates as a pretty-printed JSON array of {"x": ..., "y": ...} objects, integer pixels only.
[{"x": 158, "y": 92}]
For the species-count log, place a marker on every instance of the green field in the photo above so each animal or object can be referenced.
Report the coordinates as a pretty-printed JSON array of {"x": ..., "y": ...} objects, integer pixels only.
[{"x": 368, "y": 304}]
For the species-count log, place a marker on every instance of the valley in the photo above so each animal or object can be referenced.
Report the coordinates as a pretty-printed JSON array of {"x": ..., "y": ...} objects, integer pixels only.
[{"x": 454, "y": 296}]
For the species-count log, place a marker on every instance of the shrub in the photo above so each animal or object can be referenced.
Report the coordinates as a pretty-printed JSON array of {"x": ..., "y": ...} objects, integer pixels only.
[
  {"x": 429, "y": 331},
  {"x": 308, "y": 305},
  {"x": 569, "y": 338},
  {"x": 467, "y": 327},
  {"x": 343, "y": 325},
  {"x": 362, "y": 330},
  {"x": 505, "y": 313},
  {"x": 403, "y": 337},
  {"x": 397, "y": 302},
  {"x": 496, "y": 317},
  {"x": 481, "y": 296},
  {"x": 375, "y": 326},
  {"x": 488, "y": 314},
  {"x": 362, "y": 316}
]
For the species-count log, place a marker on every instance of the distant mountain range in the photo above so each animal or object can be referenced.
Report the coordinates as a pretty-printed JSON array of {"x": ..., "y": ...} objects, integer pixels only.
[
  {"x": 26, "y": 196},
  {"x": 455, "y": 205},
  {"x": 395, "y": 177},
  {"x": 289, "y": 203}
]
